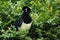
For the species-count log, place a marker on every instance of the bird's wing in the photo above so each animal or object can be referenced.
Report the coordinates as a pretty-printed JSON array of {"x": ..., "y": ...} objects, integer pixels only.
[{"x": 19, "y": 24}]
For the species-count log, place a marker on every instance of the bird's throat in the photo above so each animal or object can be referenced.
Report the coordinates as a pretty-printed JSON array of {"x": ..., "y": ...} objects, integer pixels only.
[{"x": 26, "y": 18}]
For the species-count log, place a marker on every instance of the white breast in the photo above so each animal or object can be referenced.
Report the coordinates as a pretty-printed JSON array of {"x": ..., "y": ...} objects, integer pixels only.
[{"x": 25, "y": 26}]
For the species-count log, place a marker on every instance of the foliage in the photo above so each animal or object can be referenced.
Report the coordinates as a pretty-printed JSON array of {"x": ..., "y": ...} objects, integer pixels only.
[{"x": 45, "y": 15}]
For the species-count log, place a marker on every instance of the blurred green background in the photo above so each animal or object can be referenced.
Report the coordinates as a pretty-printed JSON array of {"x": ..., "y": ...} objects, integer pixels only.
[{"x": 45, "y": 15}]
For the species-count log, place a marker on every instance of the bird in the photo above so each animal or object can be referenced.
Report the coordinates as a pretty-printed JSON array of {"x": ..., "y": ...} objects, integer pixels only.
[{"x": 25, "y": 22}]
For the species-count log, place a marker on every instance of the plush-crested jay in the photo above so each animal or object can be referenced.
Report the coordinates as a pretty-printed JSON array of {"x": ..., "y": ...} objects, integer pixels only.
[{"x": 25, "y": 22}]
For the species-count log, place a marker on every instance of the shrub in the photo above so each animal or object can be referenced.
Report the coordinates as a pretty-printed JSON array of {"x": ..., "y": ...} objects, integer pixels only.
[{"x": 45, "y": 15}]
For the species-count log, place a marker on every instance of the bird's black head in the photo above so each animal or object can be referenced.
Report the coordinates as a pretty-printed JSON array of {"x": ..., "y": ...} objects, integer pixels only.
[{"x": 26, "y": 9}]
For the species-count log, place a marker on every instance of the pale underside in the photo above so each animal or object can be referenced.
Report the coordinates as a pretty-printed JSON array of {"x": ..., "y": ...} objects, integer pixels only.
[{"x": 25, "y": 26}]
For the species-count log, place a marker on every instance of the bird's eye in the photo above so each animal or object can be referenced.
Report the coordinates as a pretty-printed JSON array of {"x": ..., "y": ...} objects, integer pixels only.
[{"x": 26, "y": 9}]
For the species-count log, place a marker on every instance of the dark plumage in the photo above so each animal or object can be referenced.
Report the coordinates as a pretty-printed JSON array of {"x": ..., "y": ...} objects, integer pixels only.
[{"x": 25, "y": 18}]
